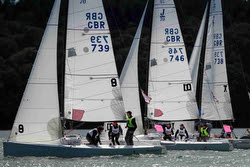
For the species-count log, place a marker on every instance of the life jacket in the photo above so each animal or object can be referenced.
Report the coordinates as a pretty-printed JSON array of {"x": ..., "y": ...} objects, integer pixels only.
[
  {"x": 92, "y": 131},
  {"x": 168, "y": 131},
  {"x": 204, "y": 132},
  {"x": 115, "y": 130},
  {"x": 130, "y": 124},
  {"x": 182, "y": 132}
]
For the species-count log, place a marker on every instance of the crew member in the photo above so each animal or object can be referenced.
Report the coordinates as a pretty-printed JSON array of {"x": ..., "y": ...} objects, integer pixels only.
[
  {"x": 204, "y": 133},
  {"x": 93, "y": 136},
  {"x": 182, "y": 132},
  {"x": 167, "y": 132},
  {"x": 131, "y": 125},
  {"x": 114, "y": 133}
]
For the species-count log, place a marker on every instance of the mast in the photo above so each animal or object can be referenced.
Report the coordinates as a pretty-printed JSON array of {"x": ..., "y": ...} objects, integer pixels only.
[{"x": 62, "y": 69}]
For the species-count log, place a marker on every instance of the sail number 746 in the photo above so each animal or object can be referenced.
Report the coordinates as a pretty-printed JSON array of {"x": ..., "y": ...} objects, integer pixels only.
[
  {"x": 97, "y": 43},
  {"x": 176, "y": 54}
]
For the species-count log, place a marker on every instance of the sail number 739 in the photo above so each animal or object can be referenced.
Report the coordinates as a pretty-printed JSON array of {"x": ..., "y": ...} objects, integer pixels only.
[
  {"x": 176, "y": 54},
  {"x": 99, "y": 43}
]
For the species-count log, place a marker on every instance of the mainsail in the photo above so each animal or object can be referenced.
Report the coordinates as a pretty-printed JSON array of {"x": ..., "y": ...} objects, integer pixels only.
[
  {"x": 196, "y": 53},
  {"x": 129, "y": 79},
  {"x": 216, "y": 103},
  {"x": 38, "y": 118},
  {"x": 92, "y": 88},
  {"x": 170, "y": 85}
]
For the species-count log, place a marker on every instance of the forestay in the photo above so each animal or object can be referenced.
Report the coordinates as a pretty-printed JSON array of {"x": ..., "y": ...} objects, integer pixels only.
[
  {"x": 196, "y": 53},
  {"x": 216, "y": 103},
  {"x": 170, "y": 85},
  {"x": 38, "y": 119},
  {"x": 92, "y": 89},
  {"x": 129, "y": 79}
]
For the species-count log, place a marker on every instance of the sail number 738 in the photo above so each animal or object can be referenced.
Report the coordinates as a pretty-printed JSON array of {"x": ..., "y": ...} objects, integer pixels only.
[
  {"x": 99, "y": 43},
  {"x": 176, "y": 54},
  {"x": 218, "y": 57}
]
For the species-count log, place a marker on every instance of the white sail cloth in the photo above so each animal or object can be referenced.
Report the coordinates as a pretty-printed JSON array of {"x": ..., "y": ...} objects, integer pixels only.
[
  {"x": 38, "y": 119},
  {"x": 196, "y": 53},
  {"x": 130, "y": 81},
  {"x": 92, "y": 89},
  {"x": 216, "y": 103},
  {"x": 170, "y": 85}
]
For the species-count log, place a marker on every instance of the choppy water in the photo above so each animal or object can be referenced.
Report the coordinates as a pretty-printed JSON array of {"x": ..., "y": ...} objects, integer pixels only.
[{"x": 239, "y": 158}]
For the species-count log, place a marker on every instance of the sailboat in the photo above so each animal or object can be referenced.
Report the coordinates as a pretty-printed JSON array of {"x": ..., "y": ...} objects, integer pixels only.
[
  {"x": 216, "y": 103},
  {"x": 170, "y": 84},
  {"x": 92, "y": 90}
]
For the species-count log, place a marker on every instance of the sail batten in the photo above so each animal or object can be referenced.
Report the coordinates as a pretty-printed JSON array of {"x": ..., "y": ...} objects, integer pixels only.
[{"x": 170, "y": 85}]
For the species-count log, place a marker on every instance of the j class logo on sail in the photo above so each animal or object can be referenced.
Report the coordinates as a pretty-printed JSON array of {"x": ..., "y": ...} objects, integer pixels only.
[
  {"x": 172, "y": 35},
  {"x": 95, "y": 20},
  {"x": 99, "y": 43}
]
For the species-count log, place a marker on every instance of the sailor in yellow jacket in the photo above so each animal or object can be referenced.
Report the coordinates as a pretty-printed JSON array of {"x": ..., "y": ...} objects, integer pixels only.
[
  {"x": 204, "y": 133},
  {"x": 131, "y": 125}
]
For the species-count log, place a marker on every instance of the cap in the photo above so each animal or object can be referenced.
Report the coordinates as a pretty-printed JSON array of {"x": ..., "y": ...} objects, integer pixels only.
[
  {"x": 181, "y": 125},
  {"x": 114, "y": 123},
  {"x": 129, "y": 112}
]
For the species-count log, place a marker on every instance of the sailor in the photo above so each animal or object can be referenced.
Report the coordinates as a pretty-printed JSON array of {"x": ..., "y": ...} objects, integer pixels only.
[
  {"x": 204, "y": 133},
  {"x": 222, "y": 134},
  {"x": 93, "y": 136},
  {"x": 229, "y": 134},
  {"x": 131, "y": 125},
  {"x": 182, "y": 132},
  {"x": 248, "y": 132},
  {"x": 167, "y": 132},
  {"x": 114, "y": 133}
]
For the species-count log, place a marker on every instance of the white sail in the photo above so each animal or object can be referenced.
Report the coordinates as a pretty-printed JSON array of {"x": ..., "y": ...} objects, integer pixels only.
[
  {"x": 170, "y": 85},
  {"x": 38, "y": 118},
  {"x": 92, "y": 89},
  {"x": 196, "y": 53},
  {"x": 129, "y": 79},
  {"x": 216, "y": 103}
]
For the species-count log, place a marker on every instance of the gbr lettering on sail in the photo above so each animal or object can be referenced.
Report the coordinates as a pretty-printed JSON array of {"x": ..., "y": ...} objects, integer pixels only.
[{"x": 96, "y": 22}]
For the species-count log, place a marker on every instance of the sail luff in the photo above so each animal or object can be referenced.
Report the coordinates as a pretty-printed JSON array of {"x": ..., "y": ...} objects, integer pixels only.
[
  {"x": 170, "y": 85},
  {"x": 129, "y": 78},
  {"x": 196, "y": 53},
  {"x": 38, "y": 118},
  {"x": 216, "y": 103},
  {"x": 92, "y": 89}
]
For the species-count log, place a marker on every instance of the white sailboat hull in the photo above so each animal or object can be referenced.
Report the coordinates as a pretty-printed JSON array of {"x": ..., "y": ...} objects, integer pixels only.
[
  {"x": 237, "y": 143},
  {"x": 240, "y": 143},
  {"x": 190, "y": 145},
  {"x": 69, "y": 151}
]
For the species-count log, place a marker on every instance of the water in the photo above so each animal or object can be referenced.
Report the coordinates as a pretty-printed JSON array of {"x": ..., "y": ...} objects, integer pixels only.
[{"x": 239, "y": 158}]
